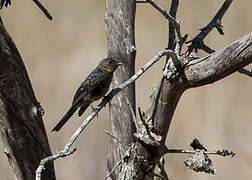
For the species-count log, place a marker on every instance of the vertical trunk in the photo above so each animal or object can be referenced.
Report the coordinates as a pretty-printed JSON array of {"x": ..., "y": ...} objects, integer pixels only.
[{"x": 120, "y": 19}]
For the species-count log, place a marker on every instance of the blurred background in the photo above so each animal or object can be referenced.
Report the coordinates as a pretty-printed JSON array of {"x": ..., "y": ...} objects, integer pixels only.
[{"x": 58, "y": 56}]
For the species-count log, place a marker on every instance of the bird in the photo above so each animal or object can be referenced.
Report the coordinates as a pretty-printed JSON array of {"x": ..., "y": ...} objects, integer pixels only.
[{"x": 94, "y": 87}]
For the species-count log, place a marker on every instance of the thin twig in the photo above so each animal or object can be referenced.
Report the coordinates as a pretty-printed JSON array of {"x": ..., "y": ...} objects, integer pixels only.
[
  {"x": 140, "y": 114},
  {"x": 218, "y": 152},
  {"x": 43, "y": 9},
  {"x": 197, "y": 42},
  {"x": 141, "y": 2},
  {"x": 114, "y": 168},
  {"x": 172, "y": 36},
  {"x": 246, "y": 72},
  {"x": 147, "y": 128},
  {"x": 43, "y": 162},
  {"x": 162, "y": 171},
  {"x": 111, "y": 135},
  {"x": 105, "y": 100}
]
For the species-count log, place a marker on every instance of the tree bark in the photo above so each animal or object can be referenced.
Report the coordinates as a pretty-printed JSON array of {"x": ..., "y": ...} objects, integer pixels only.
[
  {"x": 21, "y": 125},
  {"x": 197, "y": 73},
  {"x": 120, "y": 19}
]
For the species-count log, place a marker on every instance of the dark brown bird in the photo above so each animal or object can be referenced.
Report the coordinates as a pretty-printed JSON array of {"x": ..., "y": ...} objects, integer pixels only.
[{"x": 94, "y": 87}]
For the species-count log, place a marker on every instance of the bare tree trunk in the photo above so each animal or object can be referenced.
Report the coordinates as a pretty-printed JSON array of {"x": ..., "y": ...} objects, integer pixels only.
[
  {"x": 21, "y": 125},
  {"x": 120, "y": 19}
]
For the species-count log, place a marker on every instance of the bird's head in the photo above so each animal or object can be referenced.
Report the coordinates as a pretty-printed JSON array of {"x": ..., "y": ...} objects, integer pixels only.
[{"x": 109, "y": 64}]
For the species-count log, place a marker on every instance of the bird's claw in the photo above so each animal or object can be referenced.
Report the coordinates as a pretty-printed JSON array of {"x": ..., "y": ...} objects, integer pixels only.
[{"x": 94, "y": 108}]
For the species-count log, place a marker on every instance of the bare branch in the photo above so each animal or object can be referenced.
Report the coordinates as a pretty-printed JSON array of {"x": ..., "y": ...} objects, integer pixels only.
[
  {"x": 162, "y": 171},
  {"x": 197, "y": 42},
  {"x": 223, "y": 152},
  {"x": 147, "y": 128},
  {"x": 43, "y": 9},
  {"x": 112, "y": 136},
  {"x": 172, "y": 36},
  {"x": 43, "y": 162},
  {"x": 141, "y": 2},
  {"x": 117, "y": 164},
  {"x": 246, "y": 72},
  {"x": 220, "y": 64},
  {"x": 200, "y": 162}
]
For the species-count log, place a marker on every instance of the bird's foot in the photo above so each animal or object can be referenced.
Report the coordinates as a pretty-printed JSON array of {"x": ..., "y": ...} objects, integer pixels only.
[
  {"x": 94, "y": 108},
  {"x": 105, "y": 98}
]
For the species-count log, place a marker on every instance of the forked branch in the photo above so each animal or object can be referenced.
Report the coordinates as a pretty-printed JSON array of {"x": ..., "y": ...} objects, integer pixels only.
[{"x": 198, "y": 41}]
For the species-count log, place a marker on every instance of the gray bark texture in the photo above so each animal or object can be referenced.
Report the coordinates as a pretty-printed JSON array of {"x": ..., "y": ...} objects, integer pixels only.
[
  {"x": 141, "y": 157},
  {"x": 119, "y": 19},
  {"x": 21, "y": 125}
]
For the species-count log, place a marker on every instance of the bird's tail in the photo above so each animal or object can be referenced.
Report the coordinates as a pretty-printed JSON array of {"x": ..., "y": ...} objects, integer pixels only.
[{"x": 65, "y": 118}]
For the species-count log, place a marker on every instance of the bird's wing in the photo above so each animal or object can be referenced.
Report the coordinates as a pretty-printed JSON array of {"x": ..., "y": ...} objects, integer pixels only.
[{"x": 92, "y": 82}]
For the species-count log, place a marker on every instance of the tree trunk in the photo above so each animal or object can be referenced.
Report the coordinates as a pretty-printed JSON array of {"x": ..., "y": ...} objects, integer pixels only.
[
  {"x": 120, "y": 19},
  {"x": 21, "y": 125}
]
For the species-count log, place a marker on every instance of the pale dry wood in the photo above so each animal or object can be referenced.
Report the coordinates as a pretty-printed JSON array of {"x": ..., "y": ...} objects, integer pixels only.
[
  {"x": 220, "y": 64},
  {"x": 120, "y": 22}
]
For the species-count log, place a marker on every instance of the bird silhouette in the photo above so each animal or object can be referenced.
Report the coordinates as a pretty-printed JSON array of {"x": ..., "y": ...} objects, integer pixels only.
[{"x": 94, "y": 87}]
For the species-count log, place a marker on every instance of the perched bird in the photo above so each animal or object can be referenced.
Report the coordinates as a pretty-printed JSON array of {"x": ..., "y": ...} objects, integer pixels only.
[{"x": 94, "y": 87}]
